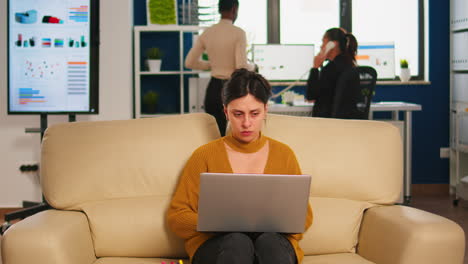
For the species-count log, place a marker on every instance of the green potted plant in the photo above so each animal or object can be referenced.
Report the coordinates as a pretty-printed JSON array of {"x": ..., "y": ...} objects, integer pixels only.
[
  {"x": 153, "y": 59},
  {"x": 405, "y": 74},
  {"x": 150, "y": 102}
]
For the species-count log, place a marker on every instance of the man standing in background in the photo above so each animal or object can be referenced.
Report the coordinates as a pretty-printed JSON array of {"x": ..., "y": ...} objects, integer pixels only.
[{"x": 226, "y": 47}]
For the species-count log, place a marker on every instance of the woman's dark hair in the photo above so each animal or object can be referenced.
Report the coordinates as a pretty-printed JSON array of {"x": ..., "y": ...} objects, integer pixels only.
[
  {"x": 226, "y": 5},
  {"x": 244, "y": 82},
  {"x": 347, "y": 42}
]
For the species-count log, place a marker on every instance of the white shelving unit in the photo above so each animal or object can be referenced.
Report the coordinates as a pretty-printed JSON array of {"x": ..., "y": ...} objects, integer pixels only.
[
  {"x": 180, "y": 72},
  {"x": 458, "y": 98}
]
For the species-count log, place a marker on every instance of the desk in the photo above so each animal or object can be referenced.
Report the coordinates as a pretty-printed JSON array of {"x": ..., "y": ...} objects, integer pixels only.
[{"x": 394, "y": 107}]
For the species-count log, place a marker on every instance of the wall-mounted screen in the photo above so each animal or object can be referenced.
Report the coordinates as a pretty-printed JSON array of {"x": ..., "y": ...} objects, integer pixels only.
[
  {"x": 284, "y": 62},
  {"x": 53, "y": 56},
  {"x": 380, "y": 56}
]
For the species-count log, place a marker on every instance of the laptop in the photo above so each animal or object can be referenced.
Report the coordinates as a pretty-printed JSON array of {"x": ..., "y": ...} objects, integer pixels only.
[{"x": 230, "y": 202}]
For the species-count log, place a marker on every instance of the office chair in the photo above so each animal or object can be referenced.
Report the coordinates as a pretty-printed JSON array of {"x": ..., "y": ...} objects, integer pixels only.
[{"x": 354, "y": 92}]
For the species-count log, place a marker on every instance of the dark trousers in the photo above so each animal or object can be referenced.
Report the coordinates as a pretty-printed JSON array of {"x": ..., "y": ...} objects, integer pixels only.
[
  {"x": 214, "y": 103},
  {"x": 246, "y": 248}
]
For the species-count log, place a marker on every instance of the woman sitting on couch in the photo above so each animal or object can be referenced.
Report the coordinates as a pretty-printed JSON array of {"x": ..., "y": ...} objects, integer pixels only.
[{"x": 245, "y": 150}]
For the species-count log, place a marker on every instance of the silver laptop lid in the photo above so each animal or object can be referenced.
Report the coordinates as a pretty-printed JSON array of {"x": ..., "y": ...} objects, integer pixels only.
[{"x": 253, "y": 202}]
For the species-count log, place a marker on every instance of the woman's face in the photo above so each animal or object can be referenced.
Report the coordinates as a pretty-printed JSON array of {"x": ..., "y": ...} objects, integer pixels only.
[{"x": 246, "y": 115}]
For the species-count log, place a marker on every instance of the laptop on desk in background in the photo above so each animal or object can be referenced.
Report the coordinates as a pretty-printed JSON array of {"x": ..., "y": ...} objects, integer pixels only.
[{"x": 230, "y": 202}]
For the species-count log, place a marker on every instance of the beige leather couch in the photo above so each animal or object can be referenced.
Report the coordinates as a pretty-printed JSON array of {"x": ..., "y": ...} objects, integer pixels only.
[{"x": 111, "y": 183}]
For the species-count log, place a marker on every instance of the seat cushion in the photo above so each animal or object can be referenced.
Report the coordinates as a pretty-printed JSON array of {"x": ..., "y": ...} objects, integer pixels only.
[
  {"x": 136, "y": 227},
  {"x": 343, "y": 258},
  {"x": 336, "y": 226},
  {"x": 133, "y": 227},
  {"x": 138, "y": 261},
  {"x": 348, "y": 258}
]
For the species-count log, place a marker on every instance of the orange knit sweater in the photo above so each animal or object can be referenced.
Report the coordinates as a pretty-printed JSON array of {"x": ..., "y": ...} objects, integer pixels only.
[{"x": 183, "y": 211}]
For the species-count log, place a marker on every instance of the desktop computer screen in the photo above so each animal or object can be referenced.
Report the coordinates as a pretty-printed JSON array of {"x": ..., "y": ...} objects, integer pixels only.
[
  {"x": 284, "y": 62},
  {"x": 380, "y": 56}
]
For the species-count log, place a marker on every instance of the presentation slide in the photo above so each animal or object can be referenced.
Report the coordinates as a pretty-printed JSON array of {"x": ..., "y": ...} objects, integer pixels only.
[
  {"x": 49, "y": 56},
  {"x": 284, "y": 62},
  {"x": 380, "y": 56}
]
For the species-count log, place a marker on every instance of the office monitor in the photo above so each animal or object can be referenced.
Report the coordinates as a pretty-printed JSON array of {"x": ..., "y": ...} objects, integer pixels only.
[
  {"x": 380, "y": 56},
  {"x": 284, "y": 62},
  {"x": 53, "y": 56}
]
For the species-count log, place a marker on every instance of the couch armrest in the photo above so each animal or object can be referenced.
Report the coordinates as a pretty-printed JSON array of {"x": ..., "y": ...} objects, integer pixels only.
[
  {"x": 49, "y": 237},
  {"x": 404, "y": 235}
]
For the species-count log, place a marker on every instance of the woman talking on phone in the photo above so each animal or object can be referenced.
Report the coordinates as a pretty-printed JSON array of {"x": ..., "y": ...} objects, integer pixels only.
[{"x": 339, "y": 48}]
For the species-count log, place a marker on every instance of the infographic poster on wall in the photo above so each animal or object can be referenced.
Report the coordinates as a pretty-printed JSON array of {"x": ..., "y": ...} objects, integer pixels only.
[{"x": 51, "y": 68}]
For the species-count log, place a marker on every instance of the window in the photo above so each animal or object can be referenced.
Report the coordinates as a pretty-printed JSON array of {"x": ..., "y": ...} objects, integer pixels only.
[
  {"x": 208, "y": 12},
  {"x": 305, "y": 21},
  {"x": 252, "y": 18},
  {"x": 375, "y": 21}
]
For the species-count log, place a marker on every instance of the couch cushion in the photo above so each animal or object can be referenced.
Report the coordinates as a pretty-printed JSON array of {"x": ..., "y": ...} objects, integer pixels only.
[
  {"x": 136, "y": 227},
  {"x": 94, "y": 161},
  {"x": 343, "y": 258},
  {"x": 133, "y": 227},
  {"x": 350, "y": 159},
  {"x": 336, "y": 226},
  {"x": 138, "y": 261},
  {"x": 347, "y": 258}
]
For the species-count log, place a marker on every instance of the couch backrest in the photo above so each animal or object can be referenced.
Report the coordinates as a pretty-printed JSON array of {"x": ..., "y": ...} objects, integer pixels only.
[
  {"x": 355, "y": 164},
  {"x": 352, "y": 159},
  {"x": 122, "y": 175}
]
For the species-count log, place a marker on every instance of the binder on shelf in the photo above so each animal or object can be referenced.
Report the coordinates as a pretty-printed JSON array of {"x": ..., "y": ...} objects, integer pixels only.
[
  {"x": 459, "y": 19},
  {"x": 460, "y": 87},
  {"x": 188, "y": 12},
  {"x": 460, "y": 53},
  {"x": 197, "y": 89}
]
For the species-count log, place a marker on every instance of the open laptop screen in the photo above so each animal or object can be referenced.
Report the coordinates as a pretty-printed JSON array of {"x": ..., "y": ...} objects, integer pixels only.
[{"x": 253, "y": 202}]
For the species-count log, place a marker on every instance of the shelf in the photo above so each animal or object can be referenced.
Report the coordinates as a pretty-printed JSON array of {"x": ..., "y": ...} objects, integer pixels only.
[
  {"x": 168, "y": 72},
  {"x": 158, "y": 115},
  {"x": 175, "y": 28},
  {"x": 171, "y": 82},
  {"x": 458, "y": 82},
  {"x": 457, "y": 30},
  {"x": 459, "y": 108},
  {"x": 462, "y": 148}
]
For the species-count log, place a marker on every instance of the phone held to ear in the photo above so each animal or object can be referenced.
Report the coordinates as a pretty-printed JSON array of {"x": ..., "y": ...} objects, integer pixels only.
[{"x": 330, "y": 45}]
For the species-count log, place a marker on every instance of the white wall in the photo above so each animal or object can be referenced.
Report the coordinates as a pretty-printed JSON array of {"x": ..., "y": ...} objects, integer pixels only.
[{"x": 115, "y": 101}]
